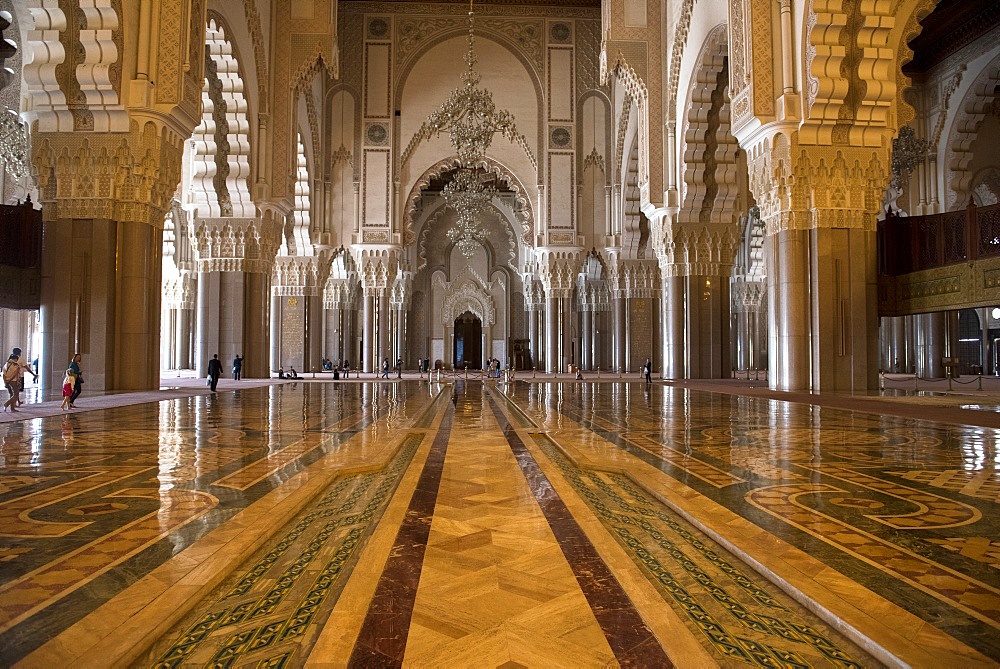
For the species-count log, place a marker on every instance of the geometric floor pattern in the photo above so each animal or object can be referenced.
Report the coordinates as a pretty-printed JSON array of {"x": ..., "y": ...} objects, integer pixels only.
[{"x": 483, "y": 524}]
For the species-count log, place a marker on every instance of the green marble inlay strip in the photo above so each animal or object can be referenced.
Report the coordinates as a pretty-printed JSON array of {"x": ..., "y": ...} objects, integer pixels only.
[
  {"x": 515, "y": 412},
  {"x": 272, "y": 604},
  {"x": 697, "y": 579}
]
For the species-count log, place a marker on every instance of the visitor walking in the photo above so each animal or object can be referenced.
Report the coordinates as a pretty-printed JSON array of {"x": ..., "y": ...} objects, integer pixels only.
[
  {"x": 214, "y": 371},
  {"x": 385, "y": 368},
  {"x": 69, "y": 380},
  {"x": 647, "y": 371},
  {"x": 13, "y": 378},
  {"x": 237, "y": 367},
  {"x": 74, "y": 366}
]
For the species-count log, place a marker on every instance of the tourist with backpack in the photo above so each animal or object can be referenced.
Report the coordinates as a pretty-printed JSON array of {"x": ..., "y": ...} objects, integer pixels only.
[{"x": 13, "y": 378}]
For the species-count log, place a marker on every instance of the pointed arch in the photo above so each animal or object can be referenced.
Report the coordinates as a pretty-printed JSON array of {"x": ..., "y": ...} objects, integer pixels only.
[
  {"x": 220, "y": 144},
  {"x": 972, "y": 110},
  {"x": 522, "y": 209}
]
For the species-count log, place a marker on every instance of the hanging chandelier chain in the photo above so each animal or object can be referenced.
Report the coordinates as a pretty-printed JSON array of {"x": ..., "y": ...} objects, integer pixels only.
[{"x": 471, "y": 119}]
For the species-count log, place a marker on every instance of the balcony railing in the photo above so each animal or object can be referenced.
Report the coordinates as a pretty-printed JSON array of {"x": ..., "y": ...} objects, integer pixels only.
[{"x": 913, "y": 243}]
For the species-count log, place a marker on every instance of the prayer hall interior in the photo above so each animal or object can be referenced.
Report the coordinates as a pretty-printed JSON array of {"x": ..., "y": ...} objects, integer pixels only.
[{"x": 625, "y": 332}]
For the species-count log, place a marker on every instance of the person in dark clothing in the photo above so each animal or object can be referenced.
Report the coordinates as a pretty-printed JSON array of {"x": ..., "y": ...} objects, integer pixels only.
[
  {"x": 74, "y": 364},
  {"x": 214, "y": 371},
  {"x": 385, "y": 368},
  {"x": 237, "y": 367},
  {"x": 647, "y": 370}
]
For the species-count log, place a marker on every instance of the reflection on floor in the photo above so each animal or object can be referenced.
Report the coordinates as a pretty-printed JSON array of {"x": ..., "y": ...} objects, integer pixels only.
[{"x": 488, "y": 524}]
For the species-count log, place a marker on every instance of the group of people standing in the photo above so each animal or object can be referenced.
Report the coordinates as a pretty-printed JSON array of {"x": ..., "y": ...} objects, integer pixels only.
[{"x": 13, "y": 379}]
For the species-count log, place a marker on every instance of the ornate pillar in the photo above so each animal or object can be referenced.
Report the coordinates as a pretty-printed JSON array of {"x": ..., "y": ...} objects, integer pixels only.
[
  {"x": 559, "y": 268},
  {"x": 672, "y": 328},
  {"x": 818, "y": 207},
  {"x": 368, "y": 315},
  {"x": 234, "y": 260},
  {"x": 586, "y": 358},
  {"x": 377, "y": 266},
  {"x": 101, "y": 254}
]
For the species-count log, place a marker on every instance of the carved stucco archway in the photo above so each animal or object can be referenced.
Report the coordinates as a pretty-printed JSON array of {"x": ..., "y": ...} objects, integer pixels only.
[
  {"x": 221, "y": 142},
  {"x": 522, "y": 209},
  {"x": 468, "y": 297},
  {"x": 709, "y": 148},
  {"x": 969, "y": 115}
]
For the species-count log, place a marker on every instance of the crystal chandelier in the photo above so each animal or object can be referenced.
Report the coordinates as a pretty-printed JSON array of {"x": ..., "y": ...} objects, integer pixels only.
[
  {"x": 471, "y": 119},
  {"x": 468, "y": 196}
]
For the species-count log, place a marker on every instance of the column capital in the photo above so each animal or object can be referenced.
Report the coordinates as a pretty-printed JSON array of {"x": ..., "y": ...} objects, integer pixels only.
[
  {"x": 229, "y": 244},
  {"x": 800, "y": 187},
  {"x": 123, "y": 176}
]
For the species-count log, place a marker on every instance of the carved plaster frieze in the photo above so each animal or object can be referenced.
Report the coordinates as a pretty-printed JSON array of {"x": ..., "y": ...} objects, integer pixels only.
[
  {"x": 632, "y": 278},
  {"x": 593, "y": 296},
  {"x": 340, "y": 294},
  {"x": 122, "y": 177},
  {"x": 377, "y": 266},
  {"x": 802, "y": 188},
  {"x": 180, "y": 292},
  {"x": 748, "y": 297},
  {"x": 700, "y": 251},
  {"x": 235, "y": 244},
  {"x": 557, "y": 268},
  {"x": 303, "y": 275}
]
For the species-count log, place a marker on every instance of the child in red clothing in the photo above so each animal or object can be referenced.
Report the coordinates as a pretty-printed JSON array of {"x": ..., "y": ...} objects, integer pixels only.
[{"x": 68, "y": 382}]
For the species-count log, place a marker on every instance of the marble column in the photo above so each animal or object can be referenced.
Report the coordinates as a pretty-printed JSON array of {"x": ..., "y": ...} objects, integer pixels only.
[
  {"x": 275, "y": 334},
  {"x": 313, "y": 333},
  {"x": 552, "y": 334},
  {"x": 207, "y": 328},
  {"x": 707, "y": 327},
  {"x": 368, "y": 324},
  {"x": 618, "y": 352},
  {"x": 586, "y": 354},
  {"x": 930, "y": 344},
  {"x": 672, "y": 327},
  {"x": 331, "y": 334},
  {"x": 255, "y": 338},
  {"x": 790, "y": 363},
  {"x": 183, "y": 340},
  {"x": 384, "y": 330},
  {"x": 401, "y": 350},
  {"x": 532, "y": 337}
]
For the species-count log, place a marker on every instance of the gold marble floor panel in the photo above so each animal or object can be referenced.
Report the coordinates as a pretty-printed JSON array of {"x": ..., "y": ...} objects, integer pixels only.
[
  {"x": 522, "y": 525},
  {"x": 96, "y": 503},
  {"x": 495, "y": 588},
  {"x": 897, "y": 512}
]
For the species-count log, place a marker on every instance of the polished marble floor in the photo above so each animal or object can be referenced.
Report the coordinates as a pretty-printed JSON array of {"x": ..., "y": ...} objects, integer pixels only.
[{"x": 539, "y": 523}]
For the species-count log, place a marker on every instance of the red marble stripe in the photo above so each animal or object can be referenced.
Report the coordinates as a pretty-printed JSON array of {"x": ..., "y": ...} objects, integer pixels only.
[
  {"x": 382, "y": 640},
  {"x": 630, "y": 639}
]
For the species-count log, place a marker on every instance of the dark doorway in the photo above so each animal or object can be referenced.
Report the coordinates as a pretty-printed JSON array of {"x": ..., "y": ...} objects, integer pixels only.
[{"x": 468, "y": 342}]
